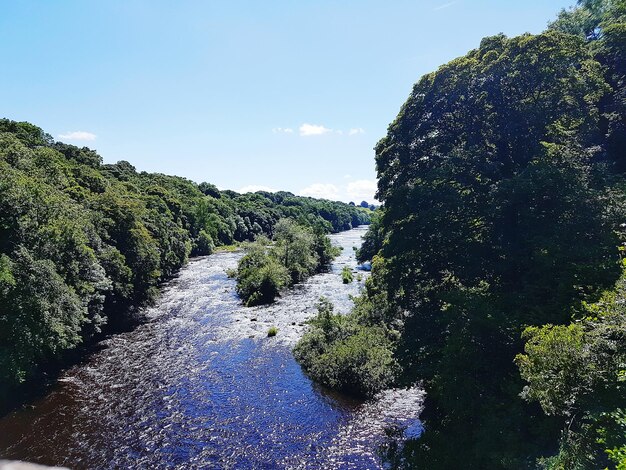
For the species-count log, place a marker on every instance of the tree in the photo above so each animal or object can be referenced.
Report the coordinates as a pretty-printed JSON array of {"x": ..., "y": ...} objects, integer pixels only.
[
  {"x": 501, "y": 209},
  {"x": 260, "y": 277},
  {"x": 295, "y": 249}
]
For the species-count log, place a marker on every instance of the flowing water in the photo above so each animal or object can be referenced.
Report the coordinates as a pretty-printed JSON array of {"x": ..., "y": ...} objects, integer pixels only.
[{"x": 200, "y": 385}]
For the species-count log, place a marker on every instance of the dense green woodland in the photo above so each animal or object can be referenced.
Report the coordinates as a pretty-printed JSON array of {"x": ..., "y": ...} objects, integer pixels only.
[
  {"x": 83, "y": 245},
  {"x": 498, "y": 256}
]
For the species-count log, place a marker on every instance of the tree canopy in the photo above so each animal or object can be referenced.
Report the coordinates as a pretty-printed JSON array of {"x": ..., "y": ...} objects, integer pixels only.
[{"x": 502, "y": 180}]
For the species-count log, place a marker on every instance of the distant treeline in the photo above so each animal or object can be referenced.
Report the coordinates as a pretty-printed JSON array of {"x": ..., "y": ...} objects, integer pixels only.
[
  {"x": 498, "y": 257},
  {"x": 84, "y": 244}
]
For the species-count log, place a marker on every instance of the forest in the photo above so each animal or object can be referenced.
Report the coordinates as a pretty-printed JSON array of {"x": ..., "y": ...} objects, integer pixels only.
[
  {"x": 85, "y": 245},
  {"x": 498, "y": 255}
]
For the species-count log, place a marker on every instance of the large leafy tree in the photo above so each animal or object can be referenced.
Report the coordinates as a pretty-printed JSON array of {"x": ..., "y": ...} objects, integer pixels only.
[
  {"x": 497, "y": 216},
  {"x": 500, "y": 180}
]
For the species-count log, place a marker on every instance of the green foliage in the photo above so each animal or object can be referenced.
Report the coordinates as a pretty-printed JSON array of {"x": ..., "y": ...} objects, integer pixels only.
[
  {"x": 346, "y": 275},
  {"x": 50, "y": 314},
  {"x": 502, "y": 182},
  {"x": 260, "y": 277},
  {"x": 294, "y": 248},
  {"x": 343, "y": 354},
  {"x": 204, "y": 244},
  {"x": 324, "y": 251},
  {"x": 555, "y": 365},
  {"x": 583, "y": 20},
  {"x": 228, "y": 248},
  {"x": 273, "y": 331},
  {"x": 578, "y": 372},
  {"x": 373, "y": 239},
  {"x": 297, "y": 253},
  {"x": 613, "y": 438}
]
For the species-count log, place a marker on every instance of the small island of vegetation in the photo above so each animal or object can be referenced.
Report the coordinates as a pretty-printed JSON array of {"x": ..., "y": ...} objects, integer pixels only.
[{"x": 296, "y": 253}]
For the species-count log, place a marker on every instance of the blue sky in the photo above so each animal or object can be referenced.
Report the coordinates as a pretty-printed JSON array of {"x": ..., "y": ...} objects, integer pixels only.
[{"x": 289, "y": 95}]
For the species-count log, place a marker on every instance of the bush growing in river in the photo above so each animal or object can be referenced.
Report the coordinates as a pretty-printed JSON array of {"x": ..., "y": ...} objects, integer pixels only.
[
  {"x": 204, "y": 244},
  {"x": 294, "y": 248},
  {"x": 260, "y": 277},
  {"x": 346, "y": 275},
  {"x": 341, "y": 353},
  {"x": 325, "y": 251}
]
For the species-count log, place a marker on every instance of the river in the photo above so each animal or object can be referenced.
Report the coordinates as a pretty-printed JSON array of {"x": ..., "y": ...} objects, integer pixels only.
[{"x": 200, "y": 385}]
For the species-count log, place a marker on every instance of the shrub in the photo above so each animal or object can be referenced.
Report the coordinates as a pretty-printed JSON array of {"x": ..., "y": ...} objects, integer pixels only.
[
  {"x": 262, "y": 285},
  {"x": 341, "y": 353},
  {"x": 272, "y": 331},
  {"x": 346, "y": 275},
  {"x": 259, "y": 276},
  {"x": 295, "y": 249}
]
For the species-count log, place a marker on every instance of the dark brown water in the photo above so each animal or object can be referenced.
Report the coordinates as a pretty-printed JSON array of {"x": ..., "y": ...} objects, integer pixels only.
[{"x": 201, "y": 386}]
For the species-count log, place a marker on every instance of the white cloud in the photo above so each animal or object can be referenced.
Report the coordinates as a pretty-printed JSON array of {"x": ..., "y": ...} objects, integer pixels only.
[
  {"x": 78, "y": 135},
  {"x": 445, "y": 5},
  {"x": 313, "y": 129},
  {"x": 253, "y": 188},
  {"x": 321, "y": 191},
  {"x": 307, "y": 130},
  {"x": 282, "y": 130},
  {"x": 362, "y": 190}
]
